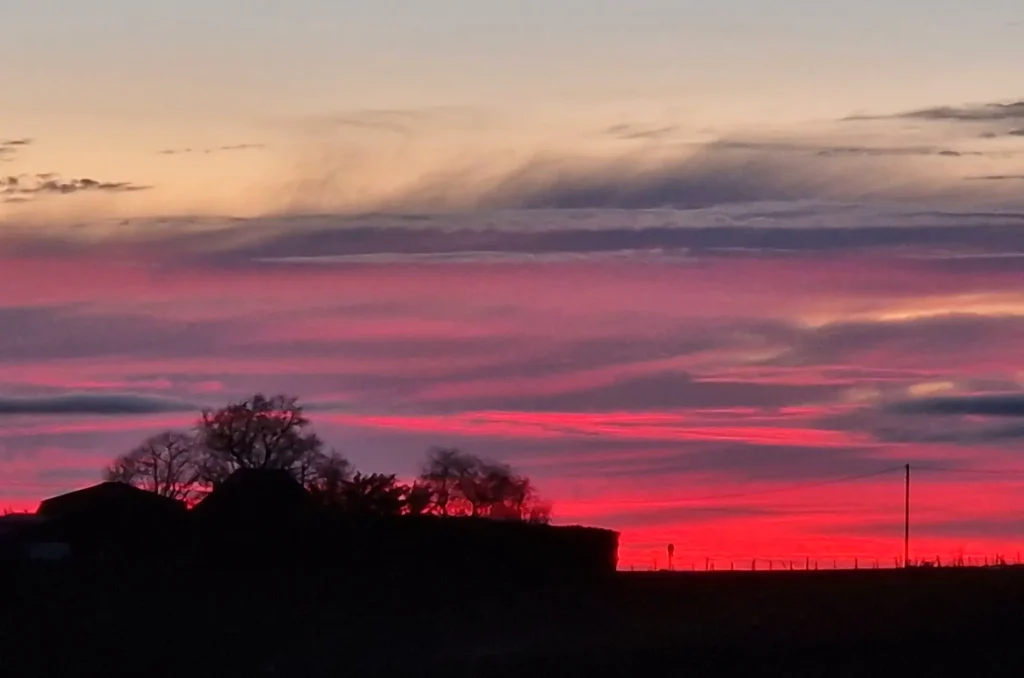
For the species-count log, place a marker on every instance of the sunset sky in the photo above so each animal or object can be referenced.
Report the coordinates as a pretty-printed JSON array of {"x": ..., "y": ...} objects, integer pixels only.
[{"x": 694, "y": 267}]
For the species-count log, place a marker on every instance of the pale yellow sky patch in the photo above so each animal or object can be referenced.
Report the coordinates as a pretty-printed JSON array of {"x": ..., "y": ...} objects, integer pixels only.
[{"x": 992, "y": 304}]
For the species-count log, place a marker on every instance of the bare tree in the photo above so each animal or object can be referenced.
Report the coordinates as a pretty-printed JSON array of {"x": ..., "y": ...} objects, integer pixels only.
[
  {"x": 493, "y": 487},
  {"x": 259, "y": 433},
  {"x": 447, "y": 473},
  {"x": 463, "y": 484},
  {"x": 169, "y": 464},
  {"x": 274, "y": 434},
  {"x": 326, "y": 478},
  {"x": 375, "y": 494}
]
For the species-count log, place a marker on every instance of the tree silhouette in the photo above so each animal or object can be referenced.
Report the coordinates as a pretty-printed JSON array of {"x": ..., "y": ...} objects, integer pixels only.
[
  {"x": 375, "y": 494},
  {"x": 169, "y": 464},
  {"x": 495, "y": 487},
  {"x": 327, "y": 477},
  {"x": 273, "y": 433},
  {"x": 463, "y": 484},
  {"x": 367, "y": 494},
  {"x": 259, "y": 433},
  {"x": 447, "y": 473},
  {"x": 419, "y": 499}
]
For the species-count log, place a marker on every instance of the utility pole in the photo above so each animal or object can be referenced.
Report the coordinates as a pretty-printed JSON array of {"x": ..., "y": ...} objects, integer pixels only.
[{"x": 906, "y": 521}]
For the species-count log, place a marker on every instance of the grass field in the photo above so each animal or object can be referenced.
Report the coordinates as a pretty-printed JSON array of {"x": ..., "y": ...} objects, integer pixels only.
[{"x": 846, "y": 623}]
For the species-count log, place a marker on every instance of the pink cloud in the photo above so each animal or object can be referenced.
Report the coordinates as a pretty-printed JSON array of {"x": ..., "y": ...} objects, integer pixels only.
[
  {"x": 411, "y": 355},
  {"x": 610, "y": 425}
]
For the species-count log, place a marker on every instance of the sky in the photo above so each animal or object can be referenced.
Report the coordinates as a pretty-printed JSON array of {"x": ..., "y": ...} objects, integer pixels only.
[{"x": 710, "y": 273}]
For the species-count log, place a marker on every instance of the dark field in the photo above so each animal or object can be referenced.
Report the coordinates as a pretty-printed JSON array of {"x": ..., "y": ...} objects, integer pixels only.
[{"x": 172, "y": 621}]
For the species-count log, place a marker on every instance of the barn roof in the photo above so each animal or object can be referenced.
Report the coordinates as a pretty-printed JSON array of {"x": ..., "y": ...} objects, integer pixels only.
[
  {"x": 107, "y": 497},
  {"x": 250, "y": 491}
]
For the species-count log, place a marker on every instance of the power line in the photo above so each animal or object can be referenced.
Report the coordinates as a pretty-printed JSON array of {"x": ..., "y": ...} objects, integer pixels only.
[{"x": 981, "y": 471}]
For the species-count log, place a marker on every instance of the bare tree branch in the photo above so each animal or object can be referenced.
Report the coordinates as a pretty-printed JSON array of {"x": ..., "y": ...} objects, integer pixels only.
[
  {"x": 259, "y": 433},
  {"x": 168, "y": 464}
]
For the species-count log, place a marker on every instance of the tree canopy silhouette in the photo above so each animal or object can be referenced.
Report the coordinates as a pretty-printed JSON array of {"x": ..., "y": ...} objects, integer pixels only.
[
  {"x": 463, "y": 484},
  {"x": 374, "y": 494},
  {"x": 444, "y": 474},
  {"x": 260, "y": 433},
  {"x": 274, "y": 434},
  {"x": 330, "y": 476},
  {"x": 168, "y": 464}
]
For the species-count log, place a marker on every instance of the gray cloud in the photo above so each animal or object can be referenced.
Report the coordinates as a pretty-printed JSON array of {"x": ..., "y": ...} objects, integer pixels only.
[
  {"x": 985, "y": 112},
  {"x": 898, "y": 152},
  {"x": 90, "y": 403},
  {"x": 959, "y": 434},
  {"x": 352, "y": 239},
  {"x": 999, "y": 177},
  {"x": 719, "y": 174},
  {"x": 997, "y": 120},
  {"x": 840, "y": 151},
  {"x": 985, "y": 405},
  {"x": 209, "y": 151},
  {"x": 913, "y": 343},
  {"x": 991, "y": 112},
  {"x": 727, "y": 171},
  {"x": 958, "y": 420},
  {"x": 10, "y": 147},
  {"x": 29, "y": 185},
  {"x": 396, "y": 121},
  {"x": 660, "y": 391},
  {"x": 629, "y": 131},
  {"x": 401, "y": 121},
  {"x": 69, "y": 332},
  {"x": 240, "y": 147},
  {"x": 992, "y": 238}
]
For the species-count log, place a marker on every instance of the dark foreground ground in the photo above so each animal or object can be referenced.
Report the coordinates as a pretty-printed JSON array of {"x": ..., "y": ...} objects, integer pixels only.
[{"x": 150, "y": 620}]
